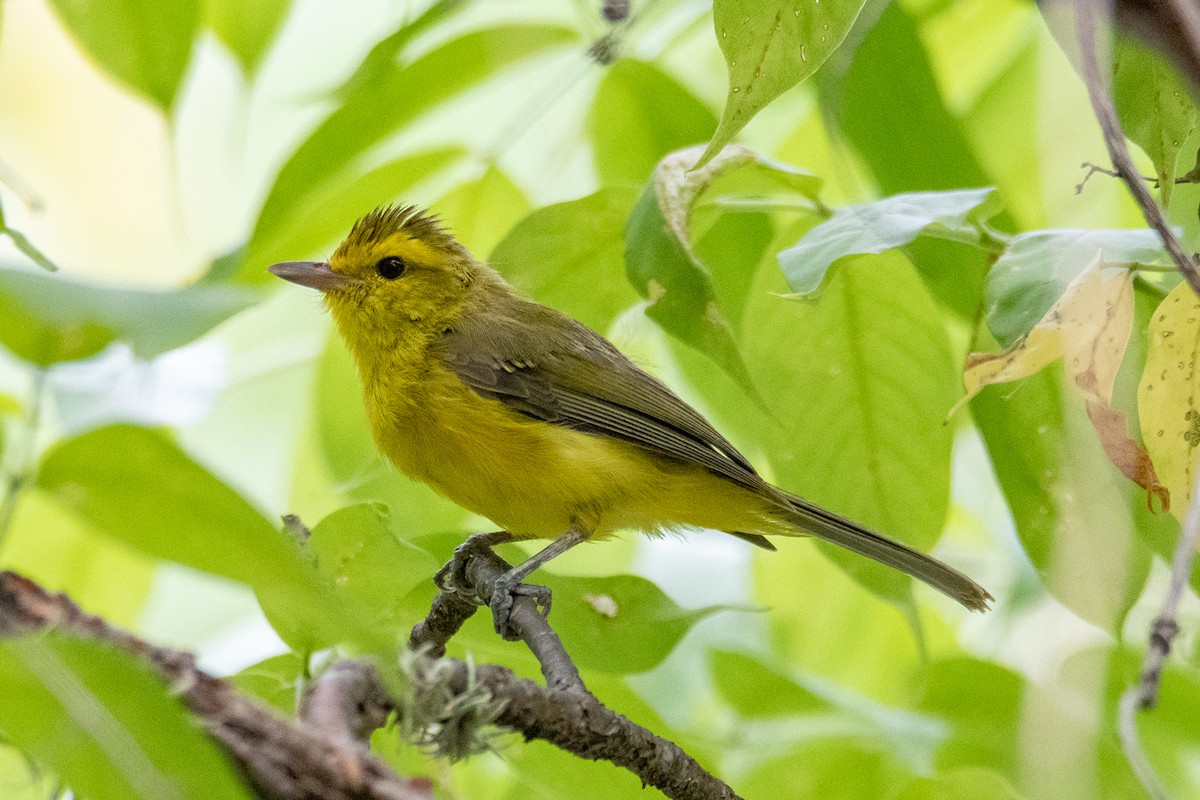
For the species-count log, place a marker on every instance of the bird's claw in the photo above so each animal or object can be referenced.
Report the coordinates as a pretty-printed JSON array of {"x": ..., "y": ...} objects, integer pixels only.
[
  {"x": 452, "y": 577},
  {"x": 504, "y": 592}
]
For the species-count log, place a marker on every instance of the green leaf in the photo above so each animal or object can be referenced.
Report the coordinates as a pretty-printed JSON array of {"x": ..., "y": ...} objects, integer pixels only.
[
  {"x": 662, "y": 263},
  {"x": 274, "y": 680},
  {"x": 679, "y": 290},
  {"x": 481, "y": 211},
  {"x": 145, "y": 45},
  {"x": 1155, "y": 107},
  {"x": 384, "y": 56},
  {"x": 383, "y": 107},
  {"x": 1168, "y": 731},
  {"x": 860, "y": 381},
  {"x": 968, "y": 783},
  {"x": 570, "y": 256},
  {"x": 1036, "y": 267},
  {"x": 891, "y": 108},
  {"x": 640, "y": 114},
  {"x": 982, "y": 702},
  {"x": 619, "y": 624},
  {"x": 327, "y": 216},
  {"x": 834, "y": 768},
  {"x": 756, "y": 690},
  {"x": 882, "y": 225},
  {"x": 1068, "y": 502},
  {"x": 139, "y": 488},
  {"x": 103, "y": 723},
  {"x": 52, "y": 318},
  {"x": 369, "y": 565},
  {"x": 769, "y": 47},
  {"x": 247, "y": 29}
]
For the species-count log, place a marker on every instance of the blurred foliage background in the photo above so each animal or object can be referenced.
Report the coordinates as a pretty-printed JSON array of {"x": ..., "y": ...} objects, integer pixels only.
[{"x": 163, "y": 401}]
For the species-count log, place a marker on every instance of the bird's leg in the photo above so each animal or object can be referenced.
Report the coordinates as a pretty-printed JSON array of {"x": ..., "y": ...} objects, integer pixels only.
[
  {"x": 452, "y": 576},
  {"x": 510, "y": 583}
]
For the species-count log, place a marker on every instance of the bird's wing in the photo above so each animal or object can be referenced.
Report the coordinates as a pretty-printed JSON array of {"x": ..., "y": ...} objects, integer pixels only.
[{"x": 552, "y": 368}]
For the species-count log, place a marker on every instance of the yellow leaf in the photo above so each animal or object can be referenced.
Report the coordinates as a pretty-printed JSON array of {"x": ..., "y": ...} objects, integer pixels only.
[
  {"x": 1094, "y": 321},
  {"x": 1167, "y": 394},
  {"x": 1089, "y": 327}
]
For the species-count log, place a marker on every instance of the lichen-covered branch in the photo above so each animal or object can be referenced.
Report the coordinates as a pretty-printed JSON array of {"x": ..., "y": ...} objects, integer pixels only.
[
  {"x": 563, "y": 713},
  {"x": 280, "y": 760}
]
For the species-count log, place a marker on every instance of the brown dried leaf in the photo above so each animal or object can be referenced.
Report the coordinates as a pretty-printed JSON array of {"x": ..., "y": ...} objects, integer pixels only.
[{"x": 1089, "y": 327}]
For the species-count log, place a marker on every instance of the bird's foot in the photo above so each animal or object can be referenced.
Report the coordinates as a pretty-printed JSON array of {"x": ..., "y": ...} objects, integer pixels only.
[
  {"x": 452, "y": 577},
  {"x": 504, "y": 593}
]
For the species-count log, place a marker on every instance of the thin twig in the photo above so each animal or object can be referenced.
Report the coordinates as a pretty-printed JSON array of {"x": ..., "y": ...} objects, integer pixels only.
[
  {"x": 1090, "y": 16},
  {"x": 1144, "y": 695},
  {"x": 483, "y": 570},
  {"x": 346, "y": 703},
  {"x": 21, "y": 464},
  {"x": 563, "y": 713}
]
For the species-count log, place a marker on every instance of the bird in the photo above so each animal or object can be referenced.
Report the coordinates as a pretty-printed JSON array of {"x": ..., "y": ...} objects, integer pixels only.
[{"x": 527, "y": 417}]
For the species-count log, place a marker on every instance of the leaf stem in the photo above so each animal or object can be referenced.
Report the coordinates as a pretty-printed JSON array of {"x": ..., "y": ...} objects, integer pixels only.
[
  {"x": 21, "y": 467},
  {"x": 25, "y": 246}
]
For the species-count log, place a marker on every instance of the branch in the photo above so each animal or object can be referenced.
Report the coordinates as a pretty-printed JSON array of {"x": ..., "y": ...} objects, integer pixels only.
[
  {"x": 563, "y": 713},
  {"x": 279, "y": 760},
  {"x": 1144, "y": 695},
  {"x": 1091, "y": 16}
]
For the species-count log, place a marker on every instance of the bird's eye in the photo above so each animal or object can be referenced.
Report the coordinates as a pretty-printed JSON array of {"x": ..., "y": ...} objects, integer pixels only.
[{"x": 390, "y": 268}]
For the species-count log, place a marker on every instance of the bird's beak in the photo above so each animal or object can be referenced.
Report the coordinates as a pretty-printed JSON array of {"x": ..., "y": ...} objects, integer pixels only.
[{"x": 313, "y": 274}]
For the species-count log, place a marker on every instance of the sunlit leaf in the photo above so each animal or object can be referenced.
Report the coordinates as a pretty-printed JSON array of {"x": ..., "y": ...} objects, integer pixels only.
[
  {"x": 967, "y": 783},
  {"x": 51, "y": 318},
  {"x": 835, "y": 768},
  {"x": 1068, "y": 503},
  {"x": 1037, "y": 267},
  {"x": 890, "y": 108},
  {"x": 326, "y": 218},
  {"x": 876, "y": 227},
  {"x": 1167, "y": 404},
  {"x": 644, "y": 628},
  {"x": 982, "y": 703},
  {"x": 247, "y": 29},
  {"x": 274, "y": 681},
  {"x": 769, "y": 47},
  {"x": 139, "y": 488},
  {"x": 1155, "y": 107},
  {"x": 480, "y": 212},
  {"x": 388, "y": 52},
  {"x": 384, "y": 106},
  {"x": 105, "y": 725},
  {"x": 661, "y": 261},
  {"x": 145, "y": 45},
  {"x": 639, "y": 115},
  {"x": 756, "y": 690},
  {"x": 860, "y": 381},
  {"x": 571, "y": 256},
  {"x": 48, "y": 544},
  {"x": 369, "y": 566},
  {"x": 678, "y": 289}
]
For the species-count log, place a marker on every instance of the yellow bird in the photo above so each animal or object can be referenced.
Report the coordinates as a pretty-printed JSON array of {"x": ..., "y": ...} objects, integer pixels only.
[{"x": 533, "y": 420}]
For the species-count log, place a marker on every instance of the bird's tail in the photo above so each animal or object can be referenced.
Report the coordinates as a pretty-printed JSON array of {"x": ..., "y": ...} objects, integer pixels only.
[{"x": 852, "y": 536}]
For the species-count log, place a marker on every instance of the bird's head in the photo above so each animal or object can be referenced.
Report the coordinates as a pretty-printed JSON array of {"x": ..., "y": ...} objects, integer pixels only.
[{"x": 397, "y": 266}]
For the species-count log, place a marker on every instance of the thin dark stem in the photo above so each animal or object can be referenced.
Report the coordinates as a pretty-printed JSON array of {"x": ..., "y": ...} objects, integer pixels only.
[
  {"x": 563, "y": 713},
  {"x": 1144, "y": 695},
  {"x": 1091, "y": 16},
  {"x": 22, "y": 463}
]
